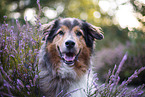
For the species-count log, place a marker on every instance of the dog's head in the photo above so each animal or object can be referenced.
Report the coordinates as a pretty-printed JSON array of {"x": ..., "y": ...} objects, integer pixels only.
[{"x": 71, "y": 36}]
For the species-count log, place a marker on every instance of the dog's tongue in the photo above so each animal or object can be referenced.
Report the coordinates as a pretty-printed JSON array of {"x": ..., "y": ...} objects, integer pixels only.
[{"x": 69, "y": 57}]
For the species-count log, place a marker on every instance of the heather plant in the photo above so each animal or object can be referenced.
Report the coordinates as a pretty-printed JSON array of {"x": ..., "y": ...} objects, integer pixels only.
[
  {"x": 112, "y": 88},
  {"x": 107, "y": 57},
  {"x": 18, "y": 59},
  {"x": 19, "y": 76}
]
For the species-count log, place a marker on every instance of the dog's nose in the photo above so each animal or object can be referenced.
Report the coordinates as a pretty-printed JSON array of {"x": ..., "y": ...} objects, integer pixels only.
[{"x": 69, "y": 44}]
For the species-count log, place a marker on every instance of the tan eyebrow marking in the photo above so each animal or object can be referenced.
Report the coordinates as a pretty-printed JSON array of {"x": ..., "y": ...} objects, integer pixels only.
[
  {"x": 77, "y": 28},
  {"x": 63, "y": 28}
]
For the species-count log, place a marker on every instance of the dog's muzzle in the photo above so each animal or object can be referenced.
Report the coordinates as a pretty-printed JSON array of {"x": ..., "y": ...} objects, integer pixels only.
[{"x": 69, "y": 57}]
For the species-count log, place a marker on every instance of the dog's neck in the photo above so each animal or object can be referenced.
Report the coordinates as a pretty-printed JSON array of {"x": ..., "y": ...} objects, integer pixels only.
[
  {"x": 52, "y": 86},
  {"x": 61, "y": 83}
]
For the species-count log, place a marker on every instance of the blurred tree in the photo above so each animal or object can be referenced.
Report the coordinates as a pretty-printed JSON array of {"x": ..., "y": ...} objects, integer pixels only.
[
  {"x": 134, "y": 43},
  {"x": 89, "y": 10},
  {"x": 2, "y": 9},
  {"x": 85, "y": 9},
  {"x": 18, "y": 7},
  {"x": 139, "y": 7}
]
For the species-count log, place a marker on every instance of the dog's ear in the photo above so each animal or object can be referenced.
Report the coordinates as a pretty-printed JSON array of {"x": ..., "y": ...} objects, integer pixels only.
[
  {"x": 95, "y": 32},
  {"x": 47, "y": 29},
  {"x": 92, "y": 32}
]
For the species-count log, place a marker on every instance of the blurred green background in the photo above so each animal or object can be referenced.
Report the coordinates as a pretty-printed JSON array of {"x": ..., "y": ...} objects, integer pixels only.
[{"x": 122, "y": 21}]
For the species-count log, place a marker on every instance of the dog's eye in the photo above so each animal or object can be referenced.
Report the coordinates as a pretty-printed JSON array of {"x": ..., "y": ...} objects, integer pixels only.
[
  {"x": 78, "y": 33},
  {"x": 61, "y": 33}
]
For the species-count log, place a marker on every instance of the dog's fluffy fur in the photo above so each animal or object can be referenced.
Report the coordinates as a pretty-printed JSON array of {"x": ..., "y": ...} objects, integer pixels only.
[{"x": 64, "y": 58}]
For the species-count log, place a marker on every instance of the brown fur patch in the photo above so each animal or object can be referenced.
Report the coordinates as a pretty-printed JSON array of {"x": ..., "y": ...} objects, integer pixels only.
[
  {"x": 82, "y": 65},
  {"x": 53, "y": 56}
]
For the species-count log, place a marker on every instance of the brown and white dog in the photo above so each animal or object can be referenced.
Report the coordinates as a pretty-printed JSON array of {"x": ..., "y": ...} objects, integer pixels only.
[{"x": 64, "y": 58}]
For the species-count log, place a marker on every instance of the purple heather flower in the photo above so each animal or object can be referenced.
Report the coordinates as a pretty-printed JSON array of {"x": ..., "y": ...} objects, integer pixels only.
[
  {"x": 12, "y": 56},
  {"x": 140, "y": 93},
  {"x": 31, "y": 83},
  {"x": 12, "y": 27},
  {"x": 5, "y": 17},
  {"x": 18, "y": 88},
  {"x": 35, "y": 78},
  {"x": 38, "y": 1},
  {"x": 28, "y": 93},
  {"x": 58, "y": 93},
  {"x": 6, "y": 25},
  {"x": 6, "y": 47},
  {"x": 19, "y": 82},
  {"x": 68, "y": 94},
  {"x": 28, "y": 87}
]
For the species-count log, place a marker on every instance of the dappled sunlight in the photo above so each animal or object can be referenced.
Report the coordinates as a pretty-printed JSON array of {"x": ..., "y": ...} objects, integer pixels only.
[
  {"x": 105, "y": 5},
  {"x": 142, "y": 1},
  {"x": 30, "y": 13},
  {"x": 121, "y": 11},
  {"x": 124, "y": 14},
  {"x": 97, "y": 14},
  {"x": 84, "y": 15},
  {"x": 15, "y": 15},
  {"x": 50, "y": 13},
  {"x": 60, "y": 8},
  {"x": 23, "y": 3},
  {"x": 73, "y": 5},
  {"x": 126, "y": 17},
  {"x": 13, "y": 6}
]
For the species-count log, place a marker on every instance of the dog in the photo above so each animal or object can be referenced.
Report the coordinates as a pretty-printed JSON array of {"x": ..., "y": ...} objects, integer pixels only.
[{"x": 64, "y": 57}]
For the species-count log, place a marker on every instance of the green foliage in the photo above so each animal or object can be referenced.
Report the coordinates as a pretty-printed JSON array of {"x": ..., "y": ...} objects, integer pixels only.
[{"x": 135, "y": 46}]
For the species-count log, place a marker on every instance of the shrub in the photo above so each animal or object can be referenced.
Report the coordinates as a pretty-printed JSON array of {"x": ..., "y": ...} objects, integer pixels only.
[
  {"x": 107, "y": 57},
  {"x": 112, "y": 88},
  {"x": 18, "y": 59}
]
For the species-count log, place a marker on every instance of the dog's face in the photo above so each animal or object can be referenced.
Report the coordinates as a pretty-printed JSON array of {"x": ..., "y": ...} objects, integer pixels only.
[
  {"x": 64, "y": 57},
  {"x": 71, "y": 38}
]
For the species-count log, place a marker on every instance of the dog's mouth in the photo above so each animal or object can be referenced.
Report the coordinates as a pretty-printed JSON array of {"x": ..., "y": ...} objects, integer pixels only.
[{"x": 68, "y": 57}]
